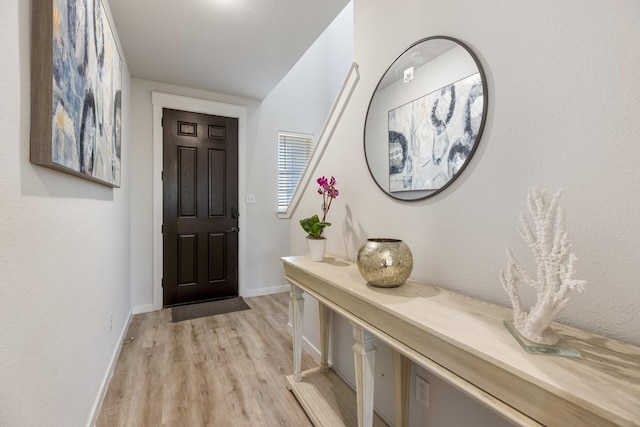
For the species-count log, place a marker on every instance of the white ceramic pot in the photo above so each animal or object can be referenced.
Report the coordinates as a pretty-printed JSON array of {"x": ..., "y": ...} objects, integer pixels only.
[{"x": 317, "y": 248}]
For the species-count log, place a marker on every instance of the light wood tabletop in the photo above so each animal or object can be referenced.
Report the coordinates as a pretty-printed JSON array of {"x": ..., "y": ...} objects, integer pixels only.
[{"x": 466, "y": 337}]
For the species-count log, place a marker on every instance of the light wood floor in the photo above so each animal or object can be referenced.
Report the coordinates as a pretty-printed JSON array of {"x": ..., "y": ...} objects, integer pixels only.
[{"x": 225, "y": 370}]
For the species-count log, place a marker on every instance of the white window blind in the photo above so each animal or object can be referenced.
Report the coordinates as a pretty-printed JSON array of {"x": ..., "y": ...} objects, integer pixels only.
[{"x": 294, "y": 151}]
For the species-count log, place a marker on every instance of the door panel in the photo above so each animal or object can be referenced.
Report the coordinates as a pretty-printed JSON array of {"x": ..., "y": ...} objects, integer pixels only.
[
  {"x": 200, "y": 188},
  {"x": 187, "y": 264},
  {"x": 217, "y": 262},
  {"x": 217, "y": 162},
  {"x": 187, "y": 182}
]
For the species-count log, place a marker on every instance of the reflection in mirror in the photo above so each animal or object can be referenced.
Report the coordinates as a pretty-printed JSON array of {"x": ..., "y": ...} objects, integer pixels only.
[{"x": 425, "y": 118}]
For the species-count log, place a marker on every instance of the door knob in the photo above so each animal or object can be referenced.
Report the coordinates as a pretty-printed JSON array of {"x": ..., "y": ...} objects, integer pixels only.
[{"x": 232, "y": 230}]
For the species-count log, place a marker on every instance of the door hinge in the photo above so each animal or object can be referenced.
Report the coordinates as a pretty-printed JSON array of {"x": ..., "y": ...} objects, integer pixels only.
[
  {"x": 162, "y": 282},
  {"x": 162, "y": 229},
  {"x": 162, "y": 122},
  {"x": 162, "y": 176}
]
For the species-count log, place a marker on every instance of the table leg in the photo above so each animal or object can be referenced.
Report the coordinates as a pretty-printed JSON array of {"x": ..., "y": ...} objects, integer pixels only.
[
  {"x": 297, "y": 304},
  {"x": 325, "y": 326},
  {"x": 364, "y": 355},
  {"x": 401, "y": 372}
]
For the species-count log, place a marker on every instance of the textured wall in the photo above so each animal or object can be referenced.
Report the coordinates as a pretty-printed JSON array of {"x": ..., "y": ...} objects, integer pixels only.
[
  {"x": 564, "y": 90},
  {"x": 299, "y": 103},
  {"x": 64, "y": 261}
]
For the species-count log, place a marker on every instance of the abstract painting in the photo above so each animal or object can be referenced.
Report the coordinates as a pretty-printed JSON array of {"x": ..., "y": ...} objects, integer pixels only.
[
  {"x": 430, "y": 138},
  {"x": 77, "y": 107}
]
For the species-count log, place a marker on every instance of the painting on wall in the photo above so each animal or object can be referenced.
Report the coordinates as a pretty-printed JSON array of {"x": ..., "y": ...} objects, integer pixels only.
[
  {"x": 76, "y": 90},
  {"x": 431, "y": 137}
]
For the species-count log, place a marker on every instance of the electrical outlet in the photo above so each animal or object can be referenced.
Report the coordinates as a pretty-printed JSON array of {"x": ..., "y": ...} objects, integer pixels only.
[
  {"x": 422, "y": 391},
  {"x": 110, "y": 322}
]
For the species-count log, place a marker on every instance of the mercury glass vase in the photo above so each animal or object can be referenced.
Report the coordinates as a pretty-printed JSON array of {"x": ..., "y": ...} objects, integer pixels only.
[{"x": 385, "y": 263}]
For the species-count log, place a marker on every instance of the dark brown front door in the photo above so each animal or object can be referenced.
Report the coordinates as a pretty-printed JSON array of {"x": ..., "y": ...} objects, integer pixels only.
[{"x": 200, "y": 214}]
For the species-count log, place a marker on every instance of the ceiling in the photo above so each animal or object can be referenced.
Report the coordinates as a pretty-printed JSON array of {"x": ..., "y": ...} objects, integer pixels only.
[{"x": 236, "y": 47}]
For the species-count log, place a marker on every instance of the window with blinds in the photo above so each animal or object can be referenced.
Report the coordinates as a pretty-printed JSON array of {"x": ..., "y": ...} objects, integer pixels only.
[{"x": 294, "y": 151}]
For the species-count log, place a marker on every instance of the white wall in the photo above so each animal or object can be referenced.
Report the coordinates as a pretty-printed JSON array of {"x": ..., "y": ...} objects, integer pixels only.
[
  {"x": 64, "y": 260},
  {"x": 299, "y": 103},
  {"x": 564, "y": 89}
]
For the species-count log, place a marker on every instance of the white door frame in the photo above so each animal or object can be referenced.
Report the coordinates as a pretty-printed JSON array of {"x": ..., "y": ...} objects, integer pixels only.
[{"x": 163, "y": 100}]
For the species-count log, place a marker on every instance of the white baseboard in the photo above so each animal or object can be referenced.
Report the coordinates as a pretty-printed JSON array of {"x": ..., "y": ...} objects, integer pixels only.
[
  {"x": 95, "y": 410},
  {"x": 143, "y": 308},
  {"x": 312, "y": 350},
  {"x": 267, "y": 291}
]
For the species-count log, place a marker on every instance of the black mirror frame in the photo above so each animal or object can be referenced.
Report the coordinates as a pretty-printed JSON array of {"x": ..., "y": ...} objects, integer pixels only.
[{"x": 480, "y": 129}]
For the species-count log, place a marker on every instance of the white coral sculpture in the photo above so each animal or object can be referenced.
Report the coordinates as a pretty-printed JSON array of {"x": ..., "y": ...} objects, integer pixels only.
[{"x": 549, "y": 241}]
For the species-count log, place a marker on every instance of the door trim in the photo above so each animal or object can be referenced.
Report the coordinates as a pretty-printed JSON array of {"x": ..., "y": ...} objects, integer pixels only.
[{"x": 159, "y": 101}]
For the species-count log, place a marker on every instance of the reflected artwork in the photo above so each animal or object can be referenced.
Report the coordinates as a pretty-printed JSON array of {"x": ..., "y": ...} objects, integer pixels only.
[{"x": 431, "y": 137}]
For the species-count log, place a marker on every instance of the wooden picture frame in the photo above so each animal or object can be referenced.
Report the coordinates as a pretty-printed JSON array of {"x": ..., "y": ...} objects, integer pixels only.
[{"x": 76, "y": 90}]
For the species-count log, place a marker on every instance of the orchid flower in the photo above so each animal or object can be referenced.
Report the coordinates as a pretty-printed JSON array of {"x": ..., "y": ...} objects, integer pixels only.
[{"x": 313, "y": 226}]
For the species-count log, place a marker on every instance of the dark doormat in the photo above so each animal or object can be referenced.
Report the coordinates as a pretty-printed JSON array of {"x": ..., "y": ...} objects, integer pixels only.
[{"x": 205, "y": 309}]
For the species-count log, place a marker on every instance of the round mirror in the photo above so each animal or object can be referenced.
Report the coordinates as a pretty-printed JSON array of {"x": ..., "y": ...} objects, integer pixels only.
[{"x": 425, "y": 118}]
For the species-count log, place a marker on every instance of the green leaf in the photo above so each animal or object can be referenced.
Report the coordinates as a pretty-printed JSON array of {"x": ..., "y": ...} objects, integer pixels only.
[{"x": 313, "y": 226}]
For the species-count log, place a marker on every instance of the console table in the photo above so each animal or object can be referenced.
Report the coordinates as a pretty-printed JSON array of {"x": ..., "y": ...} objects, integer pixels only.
[{"x": 463, "y": 341}]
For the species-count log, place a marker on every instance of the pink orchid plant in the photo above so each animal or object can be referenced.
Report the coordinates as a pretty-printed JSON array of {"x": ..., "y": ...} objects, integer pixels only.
[{"x": 313, "y": 226}]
